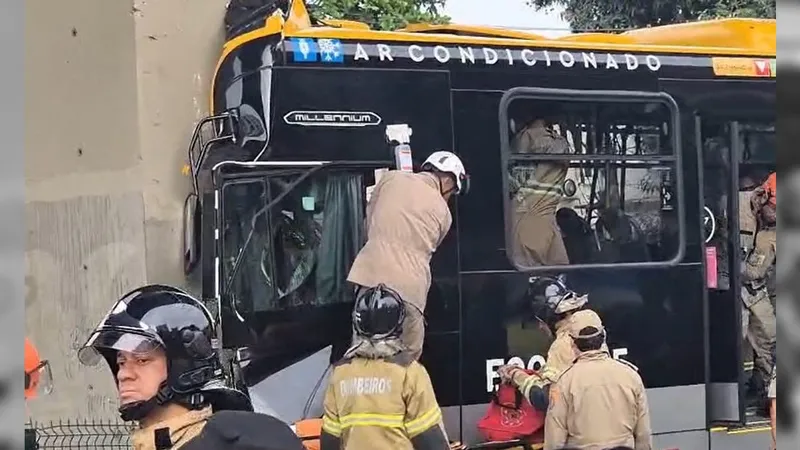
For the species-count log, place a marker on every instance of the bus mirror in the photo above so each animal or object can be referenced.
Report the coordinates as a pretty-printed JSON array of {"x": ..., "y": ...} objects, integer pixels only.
[
  {"x": 191, "y": 233},
  {"x": 570, "y": 188}
]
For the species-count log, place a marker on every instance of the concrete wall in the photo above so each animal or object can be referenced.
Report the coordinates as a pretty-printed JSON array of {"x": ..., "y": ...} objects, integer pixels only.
[{"x": 113, "y": 90}]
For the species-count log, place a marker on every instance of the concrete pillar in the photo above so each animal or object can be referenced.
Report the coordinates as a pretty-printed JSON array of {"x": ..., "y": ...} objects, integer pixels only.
[{"x": 113, "y": 91}]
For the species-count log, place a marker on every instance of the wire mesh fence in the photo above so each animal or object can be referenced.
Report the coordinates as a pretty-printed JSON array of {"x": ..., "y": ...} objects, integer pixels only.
[{"x": 77, "y": 434}]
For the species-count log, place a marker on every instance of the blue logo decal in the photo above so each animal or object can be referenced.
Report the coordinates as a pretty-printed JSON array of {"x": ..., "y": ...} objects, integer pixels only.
[
  {"x": 330, "y": 50},
  {"x": 304, "y": 50}
]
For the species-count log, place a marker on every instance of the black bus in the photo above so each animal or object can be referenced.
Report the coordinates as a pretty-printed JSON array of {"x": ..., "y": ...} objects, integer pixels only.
[{"x": 660, "y": 131}]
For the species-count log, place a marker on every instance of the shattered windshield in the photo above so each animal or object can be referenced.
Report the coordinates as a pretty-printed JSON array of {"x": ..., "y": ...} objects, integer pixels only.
[{"x": 288, "y": 239}]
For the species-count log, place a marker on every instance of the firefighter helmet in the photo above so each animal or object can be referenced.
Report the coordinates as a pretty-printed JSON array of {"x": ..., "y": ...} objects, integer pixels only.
[
  {"x": 448, "y": 162},
  {"x": 771, "y": 188},
  {"x": 162, "y": 317},
  {"x": 38, "y": 377},
  {"x": 551, "y": 299},
  {"x": 378, "y": 313}
]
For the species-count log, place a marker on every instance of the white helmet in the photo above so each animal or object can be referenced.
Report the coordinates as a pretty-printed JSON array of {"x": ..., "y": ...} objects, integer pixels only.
[{"x": 448, "y": 162}]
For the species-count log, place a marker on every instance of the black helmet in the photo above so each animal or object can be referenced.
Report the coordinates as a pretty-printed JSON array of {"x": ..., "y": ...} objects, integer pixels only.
[
  {"x": 551, "y": 299},
  {"x": 378, "y": 313},
  {"x": 162, "y": 316}
]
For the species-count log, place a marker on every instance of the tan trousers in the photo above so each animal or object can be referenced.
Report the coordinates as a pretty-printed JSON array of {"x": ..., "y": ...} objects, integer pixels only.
[{"x": 538, "y": 241}]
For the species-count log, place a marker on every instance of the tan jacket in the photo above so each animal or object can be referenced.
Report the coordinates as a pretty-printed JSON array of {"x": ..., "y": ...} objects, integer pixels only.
[
  {"x": 599, "y": 402},
  {"x": 380, "y": 404},
  {"x": 538, "y": 186},
  {"x": 562, "y": 352},
  {"x": 181, "y": 430},
  {"x": 406, "y": 220}
]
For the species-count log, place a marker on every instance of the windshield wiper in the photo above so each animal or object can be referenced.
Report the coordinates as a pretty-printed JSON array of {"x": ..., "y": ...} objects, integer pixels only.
[{"x": 289, "y": 188}]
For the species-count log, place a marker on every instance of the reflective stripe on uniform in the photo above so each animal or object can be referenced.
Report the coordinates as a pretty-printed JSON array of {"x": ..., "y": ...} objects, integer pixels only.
[
  {"x": 530, "y": 382},
  {"x": 335, "y": 428},
  {"x": 331, "y": 426},
  {"x": 373, "y": 420},
  {"x": 412, "y": 427},
  {"x": 424, "y": 422}
]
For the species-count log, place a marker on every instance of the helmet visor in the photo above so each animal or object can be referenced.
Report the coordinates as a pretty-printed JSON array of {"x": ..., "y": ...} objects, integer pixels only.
[
  {"x": 117, "y": 340},
  {"x": 38, "y": 381}
]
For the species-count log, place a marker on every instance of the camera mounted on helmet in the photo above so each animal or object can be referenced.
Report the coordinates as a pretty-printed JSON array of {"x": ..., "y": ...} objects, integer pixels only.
[
  {"x": 158, "y": 318},
  {"x": 551, "y": 300},
  {"x": 450, "y": 164},
  {"x": 379, "y": 313}
]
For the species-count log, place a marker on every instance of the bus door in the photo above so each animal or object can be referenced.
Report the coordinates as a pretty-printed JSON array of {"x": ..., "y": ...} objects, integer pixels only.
[
  {"x": 718, "y": 144},
  {"x": 737, "y": 156}
]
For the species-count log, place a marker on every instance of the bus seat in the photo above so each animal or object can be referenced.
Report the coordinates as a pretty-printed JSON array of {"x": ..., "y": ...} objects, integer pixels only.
[{"x": 577, "y": 235}]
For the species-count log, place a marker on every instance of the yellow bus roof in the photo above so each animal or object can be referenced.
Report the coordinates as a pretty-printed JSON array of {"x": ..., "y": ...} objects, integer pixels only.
[{"x": 741, "y": 37}]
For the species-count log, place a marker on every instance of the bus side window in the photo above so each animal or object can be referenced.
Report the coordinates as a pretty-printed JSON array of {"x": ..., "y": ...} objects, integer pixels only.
[{"x": 590, "y": 183}]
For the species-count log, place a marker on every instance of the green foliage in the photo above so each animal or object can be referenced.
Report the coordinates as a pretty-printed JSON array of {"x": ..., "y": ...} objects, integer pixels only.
[
  {"x": 624, "y": 14},
  {"x": 381, "y": 14}
]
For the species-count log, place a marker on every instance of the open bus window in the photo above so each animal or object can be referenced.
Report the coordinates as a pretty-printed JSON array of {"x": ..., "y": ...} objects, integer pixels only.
[
  {"x": 591, "y": 182},
  {"x": 288, "y": 239}
]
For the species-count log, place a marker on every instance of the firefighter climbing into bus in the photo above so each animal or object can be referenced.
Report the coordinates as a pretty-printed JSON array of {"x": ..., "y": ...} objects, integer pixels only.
[
  {"x": 407, "y": 218},
  {"x": 758, "y": 314},
  {"x": 561, "y": 310}
]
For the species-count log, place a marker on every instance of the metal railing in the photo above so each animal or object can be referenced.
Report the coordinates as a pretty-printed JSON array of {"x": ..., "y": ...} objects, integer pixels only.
[{"x": 78, "y": 434}]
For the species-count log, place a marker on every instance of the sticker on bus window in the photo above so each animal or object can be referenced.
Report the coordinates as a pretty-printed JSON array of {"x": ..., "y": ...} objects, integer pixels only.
[{"x": 711, "y": 268}]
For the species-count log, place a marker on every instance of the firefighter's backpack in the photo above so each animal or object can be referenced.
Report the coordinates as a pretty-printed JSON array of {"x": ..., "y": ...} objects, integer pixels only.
[
  {"x": 510, "y": 416},
  {"x": 242, "y": 430}
]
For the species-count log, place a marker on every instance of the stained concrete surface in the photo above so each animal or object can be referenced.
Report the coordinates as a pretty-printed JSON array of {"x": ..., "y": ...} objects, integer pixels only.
[{"x": 113, "y": 90}]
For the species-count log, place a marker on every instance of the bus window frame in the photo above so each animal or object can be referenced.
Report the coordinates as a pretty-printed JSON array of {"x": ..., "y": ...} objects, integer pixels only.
[{"x": 608, "y": 96}]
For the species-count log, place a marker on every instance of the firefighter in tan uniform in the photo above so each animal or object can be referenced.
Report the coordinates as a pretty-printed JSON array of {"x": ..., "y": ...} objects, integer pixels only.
[
  {"x": 563, "y": 311},
  {"x": 157, "y": 341},
  {"x": 599, "y": 402},
  {"x": 379, "y": 396},
  {"x": 537, "y": 189},
  {"x": 407, "y": 218},
  {"x": 759, "y": 325}
]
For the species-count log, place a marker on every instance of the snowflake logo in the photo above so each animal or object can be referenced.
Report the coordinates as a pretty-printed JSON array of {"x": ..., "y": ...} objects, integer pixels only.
[{"x": 330, "y": 49}]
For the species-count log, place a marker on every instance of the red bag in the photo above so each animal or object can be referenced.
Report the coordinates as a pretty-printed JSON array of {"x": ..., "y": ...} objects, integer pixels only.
[{"x": 510, "y": 416}]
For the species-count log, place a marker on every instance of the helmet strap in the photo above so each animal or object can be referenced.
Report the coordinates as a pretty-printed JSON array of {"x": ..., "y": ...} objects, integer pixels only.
[{"x": 139, "y": 410}]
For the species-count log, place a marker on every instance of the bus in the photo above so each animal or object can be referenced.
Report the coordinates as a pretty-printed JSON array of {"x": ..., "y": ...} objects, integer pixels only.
[{"x": 662, "y": 123}]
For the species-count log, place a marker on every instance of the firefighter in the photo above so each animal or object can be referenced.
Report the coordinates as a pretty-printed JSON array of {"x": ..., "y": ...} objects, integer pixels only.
[
  {"x": 758, "y": 315},
  {"x": 159, "y": 343},
  {"x": 562, "y": 310},
  {"x": 407, "y": 218},
  {"x": 536, "y": 191},
  {"x": 38, "y": 377},
  {"x": 379, "y": 396},
  {"x": 599, "y": 402}
]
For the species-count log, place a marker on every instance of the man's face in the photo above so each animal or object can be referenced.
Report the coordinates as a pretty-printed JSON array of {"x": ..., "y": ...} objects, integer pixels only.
[{"x": 140, "y": 375}]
